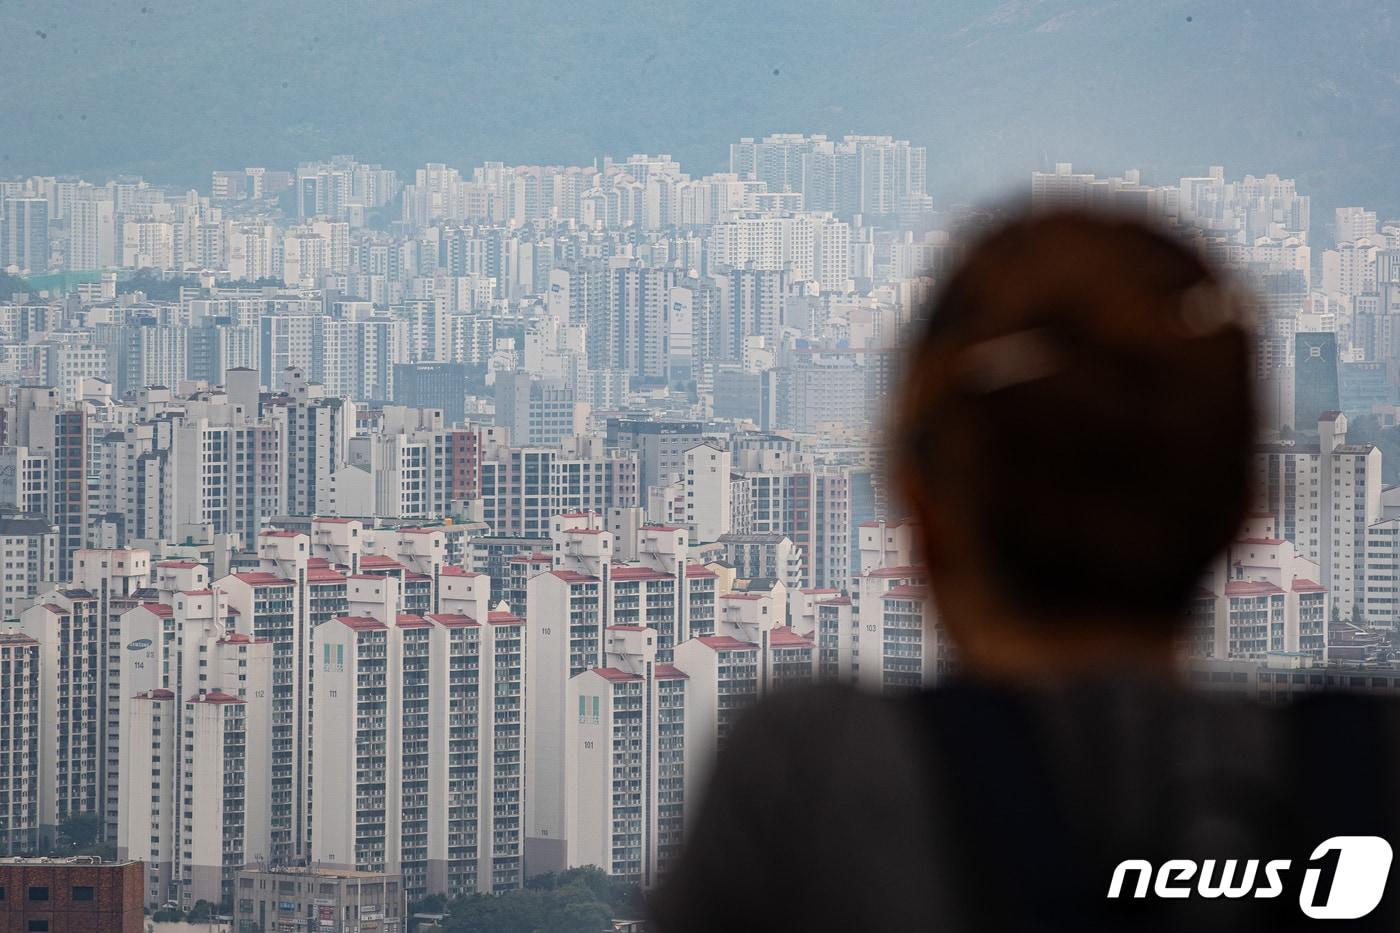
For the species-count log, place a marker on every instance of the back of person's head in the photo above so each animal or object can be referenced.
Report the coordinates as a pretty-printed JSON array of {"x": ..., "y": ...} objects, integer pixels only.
[{"x": 1077, "y": 413}]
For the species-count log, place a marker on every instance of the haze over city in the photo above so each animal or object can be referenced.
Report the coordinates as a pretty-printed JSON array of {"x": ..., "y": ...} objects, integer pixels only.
[
  {"x": 427, "y": 428},
  {"x": 173, "y": 90}
]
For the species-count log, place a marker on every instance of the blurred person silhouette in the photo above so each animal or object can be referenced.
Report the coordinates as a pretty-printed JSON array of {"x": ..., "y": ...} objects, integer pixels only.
[{"x": 1073, "y": 437}]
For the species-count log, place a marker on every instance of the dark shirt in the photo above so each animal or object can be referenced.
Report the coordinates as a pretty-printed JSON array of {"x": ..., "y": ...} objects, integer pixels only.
[{"x": 978, "y": 808}]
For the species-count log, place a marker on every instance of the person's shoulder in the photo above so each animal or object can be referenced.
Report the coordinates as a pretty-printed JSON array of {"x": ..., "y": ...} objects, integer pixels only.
[
  {"x": 799, "y": 710},
  {"x": 805, "y": 725},
  {"x": 805, "y": 699}
]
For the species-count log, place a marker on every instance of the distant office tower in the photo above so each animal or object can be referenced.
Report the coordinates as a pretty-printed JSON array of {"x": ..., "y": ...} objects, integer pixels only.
[
  {"x": 1315, "y": 384},
  {"x": 24, "y": 235},
  {"x": 433, "y": 385}
]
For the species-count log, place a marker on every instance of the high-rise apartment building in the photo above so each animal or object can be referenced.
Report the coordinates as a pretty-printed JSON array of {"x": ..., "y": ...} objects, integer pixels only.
[{"x": 24, "y": 235}]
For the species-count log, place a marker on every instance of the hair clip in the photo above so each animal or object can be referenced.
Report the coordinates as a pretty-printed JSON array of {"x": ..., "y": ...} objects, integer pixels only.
[
  {"x": 1006, "y": 361},
  {"x": 1207, "y": 308}
]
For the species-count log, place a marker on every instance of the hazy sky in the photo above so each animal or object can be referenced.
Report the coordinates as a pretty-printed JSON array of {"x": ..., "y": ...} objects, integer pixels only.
[{"x": 175, "y": 88}]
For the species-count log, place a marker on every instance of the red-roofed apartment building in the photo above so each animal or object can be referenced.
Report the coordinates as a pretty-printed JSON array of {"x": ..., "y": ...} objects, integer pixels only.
[
  {"x": 1261, "y": 597},
  {"x": 418, "y": 738},
  {"x": 898, "y": 644},
  {"x": 569, "y": 608}
]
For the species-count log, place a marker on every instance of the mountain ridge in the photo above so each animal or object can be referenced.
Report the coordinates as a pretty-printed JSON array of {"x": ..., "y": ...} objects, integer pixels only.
[{"x": 1309, "y": 90}]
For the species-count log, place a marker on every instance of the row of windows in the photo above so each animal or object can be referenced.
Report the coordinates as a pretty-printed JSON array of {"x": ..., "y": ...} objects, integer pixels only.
[{"x": 40, "y": 893}]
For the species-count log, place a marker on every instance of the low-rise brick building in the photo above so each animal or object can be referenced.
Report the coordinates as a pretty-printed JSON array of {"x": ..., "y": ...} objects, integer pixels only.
[{"x": 71, "y": 895}]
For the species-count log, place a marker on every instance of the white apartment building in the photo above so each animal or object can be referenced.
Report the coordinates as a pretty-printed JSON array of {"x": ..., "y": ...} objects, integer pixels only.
[
  {"x": 522, "y": 488},
  {"x": 153, "y": 722},
  {"x": 67, "y": 627},
  {"x": 568, "y": 609},
  {"x": 898, "y": 644},
  {"x": 624, "y": 752},
  {"x": 708, "y": 492},
  {"x": 1261, "y": 597},
  {"x": 315, "y": 432},
  {"x": 223, "y": 822},
  {"x": 20, "y": 778},
  {"x": 815, "y": 247},
  {"x": 419, "y": 732},
  {"x": 28, "y": 554},
  {"x": 1323, "y": 497},
  {"x": 215, "y": 763},
  {"x": 641, "y": 732}
]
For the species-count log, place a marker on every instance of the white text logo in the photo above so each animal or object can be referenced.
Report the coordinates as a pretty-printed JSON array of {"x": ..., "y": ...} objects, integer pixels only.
[{"x": 1344, "y": 878}]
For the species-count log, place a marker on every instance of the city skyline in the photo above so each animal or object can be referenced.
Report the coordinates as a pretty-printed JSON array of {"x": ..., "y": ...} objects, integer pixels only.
[{"x": 447, "y": 522}]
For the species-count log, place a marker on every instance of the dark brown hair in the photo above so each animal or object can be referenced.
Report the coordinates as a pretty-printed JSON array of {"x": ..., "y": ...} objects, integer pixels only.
[{"x": 1079, "y": 402}]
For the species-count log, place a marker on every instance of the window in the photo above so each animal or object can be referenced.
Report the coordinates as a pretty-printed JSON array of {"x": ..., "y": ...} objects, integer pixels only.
[
  {"x": 38, "y": 892},
  {"x": 38, "y": 925},
  {"x": 82, "y": 892}
]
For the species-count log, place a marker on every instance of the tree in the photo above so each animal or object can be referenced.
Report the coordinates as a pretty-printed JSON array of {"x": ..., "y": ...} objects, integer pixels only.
[
  {"x": 580, "y": 900},
  {"x": 432, "y": 904},
  {"x": 154, "y": 287},
  {"x": 10, "y": 285},
  {"x": 81, "y": 834}
]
